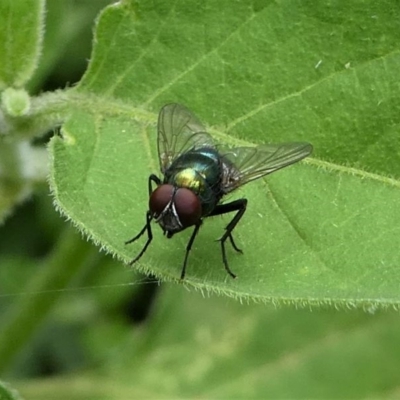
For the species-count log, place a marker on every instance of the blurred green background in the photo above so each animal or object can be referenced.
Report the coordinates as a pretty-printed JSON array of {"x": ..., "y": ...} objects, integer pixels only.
[
  {"x": 57, "y": 339},
  {"x": 114, "y": 334}
]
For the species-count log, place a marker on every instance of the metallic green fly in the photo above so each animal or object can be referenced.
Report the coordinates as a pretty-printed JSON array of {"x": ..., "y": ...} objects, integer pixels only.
[{"x": 197, "y": 174}]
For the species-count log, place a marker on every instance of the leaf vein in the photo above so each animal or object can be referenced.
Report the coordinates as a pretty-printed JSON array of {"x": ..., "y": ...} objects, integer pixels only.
[
  {"x": 299, "y": 93},
  {"x": 124, "y": 74},
  {"x": 196, "y": 63}
]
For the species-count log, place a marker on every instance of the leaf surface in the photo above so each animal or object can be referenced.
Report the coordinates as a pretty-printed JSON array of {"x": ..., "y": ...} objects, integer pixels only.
[
  {"x": 323, "y": 231},
  {"x": 213, "y": 348}
]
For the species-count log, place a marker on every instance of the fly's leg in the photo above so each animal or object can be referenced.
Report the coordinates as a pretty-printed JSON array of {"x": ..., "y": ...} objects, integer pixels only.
[
  {"x": 147, "y": 227},
  {"x": 188, "y": 248},
  {"x": 156, "y": 180},
  {"x": 240, "y": 207},
  {"x": 234, "y": 244}
]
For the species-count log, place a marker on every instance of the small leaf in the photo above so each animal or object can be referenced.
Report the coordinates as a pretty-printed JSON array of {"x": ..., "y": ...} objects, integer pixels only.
[
  {"x": 20, "y": 40},
  {"x": 15, "y": 102}
]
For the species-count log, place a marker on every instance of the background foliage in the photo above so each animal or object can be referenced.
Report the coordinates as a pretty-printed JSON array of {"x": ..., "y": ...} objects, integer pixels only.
[{"x": 76, "y": 323}]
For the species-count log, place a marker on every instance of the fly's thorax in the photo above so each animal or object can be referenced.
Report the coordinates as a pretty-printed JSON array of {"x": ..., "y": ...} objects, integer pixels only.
[
  {"x": 199, "y": 171},
  {"x": 191, "y": 179}
]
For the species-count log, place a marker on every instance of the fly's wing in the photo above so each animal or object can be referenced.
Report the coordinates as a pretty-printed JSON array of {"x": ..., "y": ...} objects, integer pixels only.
[
  {"x": 179, "y": 131},
  {"x": 244, "y": 164}
]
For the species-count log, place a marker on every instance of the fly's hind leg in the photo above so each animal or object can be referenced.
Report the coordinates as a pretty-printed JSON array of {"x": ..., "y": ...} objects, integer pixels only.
[{"x": 240, "y": 207}]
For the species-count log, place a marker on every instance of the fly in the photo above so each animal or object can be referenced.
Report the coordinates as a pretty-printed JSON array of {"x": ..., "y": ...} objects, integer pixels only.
[{"x": 197, "y": 174}]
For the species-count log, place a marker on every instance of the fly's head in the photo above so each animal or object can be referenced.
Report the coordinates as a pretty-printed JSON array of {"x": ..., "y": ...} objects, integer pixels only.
[{"x": 175, "y": 209}]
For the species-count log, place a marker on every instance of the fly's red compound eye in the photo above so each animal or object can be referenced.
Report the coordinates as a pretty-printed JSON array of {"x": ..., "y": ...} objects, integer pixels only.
[
  {"x": 187, "y": 206},
  {"x": 160, "y": 198}
]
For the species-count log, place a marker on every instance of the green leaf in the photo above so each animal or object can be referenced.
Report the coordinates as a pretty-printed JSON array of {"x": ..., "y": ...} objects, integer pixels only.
[
  {"x": 318, "y": 232},
  {"x": 20, "y": 40},
  {"x": 217, "y": 349},
  {"x": 67, "y": 40},
  {"x": 6, "y": 393},
  {"x": 238, "y": 351}
]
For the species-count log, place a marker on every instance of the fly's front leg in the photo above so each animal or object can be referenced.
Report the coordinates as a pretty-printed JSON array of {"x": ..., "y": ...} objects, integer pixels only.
[
  {"x": 147, "y": 227},
  {"x": 240, "y": 207},
  {"x": 156, "y": 180}
]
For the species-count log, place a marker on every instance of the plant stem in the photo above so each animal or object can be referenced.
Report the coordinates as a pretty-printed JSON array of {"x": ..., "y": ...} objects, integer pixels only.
[
  {"x": 10, "y": 165},
  {"x": 46, "y": 112}
]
